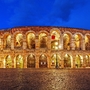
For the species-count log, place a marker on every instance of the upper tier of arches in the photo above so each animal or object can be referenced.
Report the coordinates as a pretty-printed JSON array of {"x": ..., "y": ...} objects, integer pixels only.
[{"x": 54, "y": 40}]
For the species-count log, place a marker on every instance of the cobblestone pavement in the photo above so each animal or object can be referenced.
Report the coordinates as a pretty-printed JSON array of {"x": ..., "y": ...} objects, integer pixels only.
[{"x": 44, "y": 79}]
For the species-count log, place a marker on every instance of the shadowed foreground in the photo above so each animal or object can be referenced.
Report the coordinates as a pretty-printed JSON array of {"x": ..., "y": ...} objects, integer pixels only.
[{"x": 44, "y": 79}]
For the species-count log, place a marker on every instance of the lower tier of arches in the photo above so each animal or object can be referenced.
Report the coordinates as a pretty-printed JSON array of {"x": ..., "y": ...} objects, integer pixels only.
[{"x": 44, "y": 61}]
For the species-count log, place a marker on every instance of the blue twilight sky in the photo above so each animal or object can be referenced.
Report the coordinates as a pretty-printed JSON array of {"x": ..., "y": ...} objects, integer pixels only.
[{"x": 67, "y": 13}]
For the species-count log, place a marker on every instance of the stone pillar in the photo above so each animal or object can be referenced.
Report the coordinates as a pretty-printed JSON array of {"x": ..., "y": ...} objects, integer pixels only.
[
  {"x": 62, "y": 61},
  {"x": 2, "y": 43},
  {"x": 72, "y": 44},
  {"x": 89, "y": 62},
  {"x": 71, "y": 62},
  {"x": 24, "y": 43},
  {"x": 62, "y": 64},
  {"x": 36, "y": 42},
  {"x": 48, "y": 60},
  {"x": 61, "y": 42},
  {"x": 83, "y": 43},
  {"x": 13, "y": 63},
  {"x": 84, "y": 62},
  {"x": 48, "y": 63},
  {"x": 12, "y": 43},
  {"x": 37, "y": 61},
  {"x": 24, "y": 61},
  {"x": 50, "y": 55},
  {"x": 49, "y": 42},
  {"x": 37, "y": 51},
  {"x": 74, "y": 66},
  {"x": 2, "y": 61}
]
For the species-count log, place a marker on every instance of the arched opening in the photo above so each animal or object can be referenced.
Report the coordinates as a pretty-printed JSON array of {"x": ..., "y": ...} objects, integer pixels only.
[
  {"x": 19, "y": 61},
  {"x": 67, "y": 61},
  {"x": 55, "y": 40},
  {"x": 31, "y": 41},
  {"x": 87, "y": 42},
  {"x": 8, "y": 41},
  {"x": 66, "y": 41},
  {"x": 18, "y": 40},
  {"x": 8, "y": 63},
  {"x": 43, "y": 61},
  {"x": 55, "y": 61},
  {"x": 78, "y": 61},
  {"x": 87, "y": 61},
  {"x": 43, "y": 40},
  {"x": 78, "y": 39},
  {"x": 31, "y": 61}
]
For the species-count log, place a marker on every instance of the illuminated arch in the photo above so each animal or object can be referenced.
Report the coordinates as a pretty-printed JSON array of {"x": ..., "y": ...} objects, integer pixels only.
[
  {"x": 19, "y": 61},
  {"x": 8, "y": 63},
  {"x": 55, "y": 40},
  {"x": 31, "y": 61},
  {"x": 43, "y": 31},
  {"x": 87, "y": 60},
  {"x": 66, "y": 41},
  {"x": 78, "y": 41},
  {"x": 78, "y": 61},
  {"x": 55, "y": 61},
  {"x": 43, "y": 61},
  {"x": 18, "y": 41},
  {"x": 43, "y": 40},
  {"x": 7, "y": 40},
  {"x": 67, "y": 60},
  {"x": 87, "y": 42},
  {"x": 31, "y": 40}
]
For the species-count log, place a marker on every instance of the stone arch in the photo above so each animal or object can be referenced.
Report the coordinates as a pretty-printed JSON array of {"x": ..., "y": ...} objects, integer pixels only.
[
  {"x": 30, "y": 31},
  {"x": 87, "y": 42},
  {"x": 78, "y": 61},
  {"x": 87, "y": 60},
  {"x": 7, "y": 40},
  {"x": 8, "y": 62},
  {"x": 78, "y": 37},
  {"x": 67, "y": 36},
  {"x": 19, "y": 61},
  {"x": 43, "y": 40},
  {"x": 31, "y": 61},
  {"x": 43, "y": 61},
  {"x": 55, "y": 29},
  {"x": 43, "y": 31},
  {"x": 67, "y": 61},
  {"x": 30, "y": 38},
  {"x": 55, "y": 38},
  {"x": 18, "y": 40},
  {"x": 55, "y": 61}
]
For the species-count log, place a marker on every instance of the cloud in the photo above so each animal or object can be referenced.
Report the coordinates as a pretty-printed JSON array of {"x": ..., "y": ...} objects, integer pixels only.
[
  {"x": 41, "y": 12},
  {"x": 63, "y": 8}
]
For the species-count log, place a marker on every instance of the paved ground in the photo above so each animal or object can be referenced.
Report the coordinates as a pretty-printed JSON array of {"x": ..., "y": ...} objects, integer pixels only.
[{"x": 44, "y": 79}]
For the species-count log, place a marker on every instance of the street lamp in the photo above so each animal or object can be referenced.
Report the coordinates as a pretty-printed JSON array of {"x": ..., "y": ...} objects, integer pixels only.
[{"x": 56, "y": 62}]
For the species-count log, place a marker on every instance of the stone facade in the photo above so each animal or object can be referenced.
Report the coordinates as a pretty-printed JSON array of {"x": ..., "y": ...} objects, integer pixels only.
[{"x": 44, "y": 47}]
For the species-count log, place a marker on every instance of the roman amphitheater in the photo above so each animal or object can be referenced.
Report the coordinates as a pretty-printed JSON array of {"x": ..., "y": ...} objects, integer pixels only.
[{"x": 44, "y": 47}]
